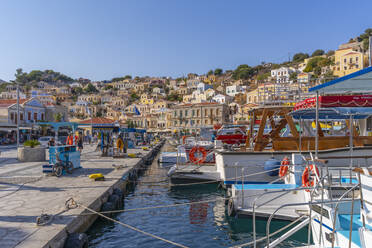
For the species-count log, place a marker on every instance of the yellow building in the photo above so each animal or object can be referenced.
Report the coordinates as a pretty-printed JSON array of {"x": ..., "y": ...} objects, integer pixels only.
[
  {"x": 145, "y": 99},
  {"x": 348, "y": 61},
  {"x": 303, "y": 77}
]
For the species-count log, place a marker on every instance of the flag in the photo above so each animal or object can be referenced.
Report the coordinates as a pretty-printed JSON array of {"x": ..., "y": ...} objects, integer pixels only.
[{"x": 136, "y": 111}]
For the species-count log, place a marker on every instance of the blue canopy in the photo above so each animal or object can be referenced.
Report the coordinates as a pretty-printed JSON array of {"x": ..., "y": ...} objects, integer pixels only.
[
  {"x": 59, "y": 124},
  {"x": 337, "y": 113},
  {"x": 356, "y": 82}
]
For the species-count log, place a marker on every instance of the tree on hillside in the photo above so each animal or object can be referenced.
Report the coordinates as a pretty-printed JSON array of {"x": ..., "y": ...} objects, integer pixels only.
[
  {"x": 243, "y": 72},
  {"x": 365, "y": 38},
  {"x": 21, "y": 76},
  {"x": 317, "y": 52},
  {"x": 218, "y": 71},
  {"x": 298, "y": 57},
  {"x": 77, "y": 91},
  {"x": 90, "y": 89},
  {"x": 210, "y": 72},
  {"x": 330, "y": 53}
]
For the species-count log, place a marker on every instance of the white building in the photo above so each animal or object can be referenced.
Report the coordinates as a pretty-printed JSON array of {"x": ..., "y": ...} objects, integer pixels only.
[
  {"x": 233, "y": 90},
  {"x": 221, "y": 98},
  {"x": 282, "y": 74}
]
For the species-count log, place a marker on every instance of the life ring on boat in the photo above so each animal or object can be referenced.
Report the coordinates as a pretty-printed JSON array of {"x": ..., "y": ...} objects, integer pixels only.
[
  {"x": 284, "y": 167},
  {"x": 197, "y": 160},
  {"x": 309, "y": 180}
]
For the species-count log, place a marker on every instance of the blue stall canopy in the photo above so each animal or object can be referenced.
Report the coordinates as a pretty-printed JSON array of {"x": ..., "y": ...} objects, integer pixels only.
[
  {"x": 357, "y": 82},
  {"x": 337, "y": 113},
  {"x": 133, "y": 130},
  {"x": 59, "y": 124}
]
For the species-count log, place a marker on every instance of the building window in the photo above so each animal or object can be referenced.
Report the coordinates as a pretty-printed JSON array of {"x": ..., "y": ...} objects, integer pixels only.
[
  {"x": 35, "y": 116},
  {"x": 29, "y": 116},
  {"x": 193, "y": 112},
  {"x": 356, "y": 59},
  {"x": 42, "y": 116},
  {"x": 345, "y": 68},
  {"x": 21, "y": 116},
  {"x": 12, "y": 116},
  {"x": 345, "y": 61},
  {"x": 351, "y": 60},
  {"x": 186, "y": 113}
]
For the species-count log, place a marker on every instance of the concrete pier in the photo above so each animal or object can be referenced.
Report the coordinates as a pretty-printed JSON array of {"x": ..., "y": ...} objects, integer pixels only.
[{"x": 25, "y": 194}]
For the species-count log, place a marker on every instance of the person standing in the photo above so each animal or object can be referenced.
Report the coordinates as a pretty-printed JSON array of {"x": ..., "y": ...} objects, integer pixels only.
[
  {"x": 125, "y": 145},
  {"x": 80, "y": 143}
]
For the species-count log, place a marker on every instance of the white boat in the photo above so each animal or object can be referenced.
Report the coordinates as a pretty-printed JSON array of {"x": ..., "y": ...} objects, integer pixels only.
[
  {"x": 234, "y": 165},
  {"x": 171, "y": 158}
]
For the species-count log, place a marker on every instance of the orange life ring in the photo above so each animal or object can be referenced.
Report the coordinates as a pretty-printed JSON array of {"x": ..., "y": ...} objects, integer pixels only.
[
  {"x": 308, "y": 180},
  {"x": 284, "y": 167},
  {"x": 197, "y": 160}
]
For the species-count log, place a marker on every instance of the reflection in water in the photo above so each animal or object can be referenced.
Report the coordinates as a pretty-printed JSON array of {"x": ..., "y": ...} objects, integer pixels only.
[{"x": 199, "y": 224}]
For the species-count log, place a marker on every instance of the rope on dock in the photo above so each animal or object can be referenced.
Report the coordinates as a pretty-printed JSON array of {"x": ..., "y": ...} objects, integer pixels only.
[
  {"x": 134, "y": 228},
  {"x": 270, "y": 235}
]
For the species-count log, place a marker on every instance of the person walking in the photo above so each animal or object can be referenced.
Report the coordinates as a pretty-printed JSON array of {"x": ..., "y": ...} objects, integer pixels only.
[{"x": 80, "y": 144}]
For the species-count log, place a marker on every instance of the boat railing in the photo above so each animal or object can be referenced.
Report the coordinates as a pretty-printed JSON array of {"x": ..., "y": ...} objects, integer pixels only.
[
  {"x": 294, "y": 205},
  {"x": 285, "y": 191}
]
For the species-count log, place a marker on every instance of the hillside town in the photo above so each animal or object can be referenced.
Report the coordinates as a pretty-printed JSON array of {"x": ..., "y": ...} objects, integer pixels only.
[{"x": 175, "y": 104}]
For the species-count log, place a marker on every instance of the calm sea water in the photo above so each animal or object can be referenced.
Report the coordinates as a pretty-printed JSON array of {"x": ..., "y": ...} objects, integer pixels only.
[{"x": 194, "y": 225}]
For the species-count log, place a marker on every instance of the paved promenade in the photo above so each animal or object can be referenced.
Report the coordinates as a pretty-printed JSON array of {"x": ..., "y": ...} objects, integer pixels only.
[{"x": 25, "y": 193}]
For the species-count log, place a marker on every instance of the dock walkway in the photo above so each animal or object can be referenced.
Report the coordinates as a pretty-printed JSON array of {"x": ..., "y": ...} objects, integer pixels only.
[{"x": 25, "y": 193}]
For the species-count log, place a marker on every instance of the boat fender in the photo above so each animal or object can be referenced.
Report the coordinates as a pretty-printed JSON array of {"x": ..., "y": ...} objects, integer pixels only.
[
  {"x": 76, "y": 240},
  {"x": 114, "y": 199},
  {"x": 106, "y": 207},
  {"x": 272, "y": 167},
  {"x": 172, "y": 170},
  {"x": 284, "y": 167},
  {"x": 120, "y": 194},
  {"x": 230, "y": 208},
  {"x": 309, "y": 180}
]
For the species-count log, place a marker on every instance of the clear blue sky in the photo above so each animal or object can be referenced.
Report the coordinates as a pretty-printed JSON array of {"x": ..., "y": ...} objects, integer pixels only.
[{"x": 109, "y": 38}]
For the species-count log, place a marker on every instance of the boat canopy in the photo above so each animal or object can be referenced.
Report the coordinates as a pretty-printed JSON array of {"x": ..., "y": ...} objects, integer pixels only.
[
  {"x": 357, "y": 82},
  {"x": 337, "y": 113}
]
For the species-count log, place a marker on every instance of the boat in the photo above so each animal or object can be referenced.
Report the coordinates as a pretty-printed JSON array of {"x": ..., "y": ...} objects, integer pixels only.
[
  {"x": 231, "y": 135},
  {"x": 285, "y": 139}
]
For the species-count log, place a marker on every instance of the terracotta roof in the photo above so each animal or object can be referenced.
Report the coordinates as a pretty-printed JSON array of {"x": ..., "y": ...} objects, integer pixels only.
[
  {"x": 9, "y": 102},
  {"x": 203, "y": 103},
  {"x": 97, "y": 120},
  {"x": 350, "y": 53}
]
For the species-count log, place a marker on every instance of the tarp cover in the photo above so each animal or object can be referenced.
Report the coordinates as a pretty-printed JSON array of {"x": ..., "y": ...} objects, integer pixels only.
[{"x": 337, "y": 113}]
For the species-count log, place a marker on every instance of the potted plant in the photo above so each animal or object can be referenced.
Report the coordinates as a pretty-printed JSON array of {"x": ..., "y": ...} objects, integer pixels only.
[{"x": 31, "y": 152}]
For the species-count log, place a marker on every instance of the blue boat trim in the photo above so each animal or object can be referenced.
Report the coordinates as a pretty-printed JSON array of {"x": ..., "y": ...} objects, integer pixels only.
[
  {"x": 338, "y": 80},
  {"x": 264, "y": 186},
  {"x": 329, "y": 228}
]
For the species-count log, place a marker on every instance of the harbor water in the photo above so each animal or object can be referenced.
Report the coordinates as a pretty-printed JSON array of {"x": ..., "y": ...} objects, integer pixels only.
[{"x": 197, "y": 223}]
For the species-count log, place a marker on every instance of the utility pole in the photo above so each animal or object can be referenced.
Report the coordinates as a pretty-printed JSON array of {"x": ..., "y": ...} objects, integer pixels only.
[
  {"x": 17, "y": 120},
  {"x": 370, "y": 51}
]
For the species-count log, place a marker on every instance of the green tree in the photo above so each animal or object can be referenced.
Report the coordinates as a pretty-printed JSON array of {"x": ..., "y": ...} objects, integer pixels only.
[
  {"x": 77, "y": 91},
  {"x": 365, "y": 38},
  {"x": 57, "y": 117},
  {"x": 298, "y": 57},
  {"x": 218, "y": 71},
  {"x": 317, "y": 52},
  {"x": 293, "y": 76},
  {"x": 134, "y": 96},
  {"x": 243, "y": 72},
  {"x": 90, "y": 89},
  {"x": 108, "y": 87},
  {"x": 210, "y": 72}
]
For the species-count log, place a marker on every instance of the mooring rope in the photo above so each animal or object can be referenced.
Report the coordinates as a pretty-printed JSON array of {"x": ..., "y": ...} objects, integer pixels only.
[{"x": 134, "y": 228}]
